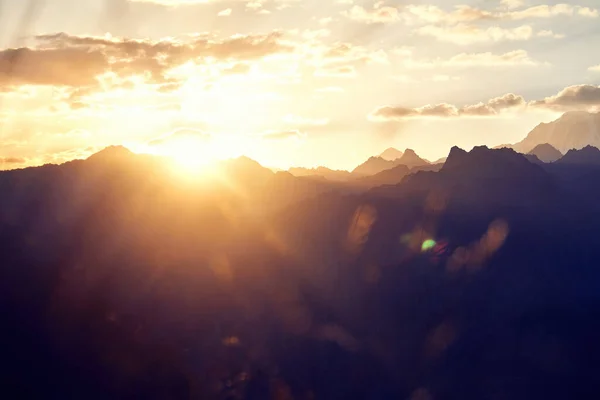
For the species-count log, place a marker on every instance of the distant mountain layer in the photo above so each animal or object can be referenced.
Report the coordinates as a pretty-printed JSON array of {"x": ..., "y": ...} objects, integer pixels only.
[
  {"x": 391, "y": 154},
  {"x": 479, "y": 281},
  {"x": 589, "y": 155},
  {"x": 390, "y": 176},
  {"x": 330, "y": 174},
  {"x": 546, "y": 152},
  {"x": 482, "y": 174},
  {"x": 573, "y": 130},
  {"x": 411, "y": 159},
  {"x": 374, "y": 165}
]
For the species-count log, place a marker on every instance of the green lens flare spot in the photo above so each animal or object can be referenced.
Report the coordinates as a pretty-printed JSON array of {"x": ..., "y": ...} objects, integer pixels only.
[{"x": 428, "y": 245}]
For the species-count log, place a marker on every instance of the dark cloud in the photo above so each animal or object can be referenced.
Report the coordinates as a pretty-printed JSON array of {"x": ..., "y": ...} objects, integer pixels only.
[
  {"x": 66, "y": 60},
  {"x": 12, "y": 160},
  {"x": 572, "y": 98},
  {"x": 59, "y": 66},
  {"x": 507, "y": 101},
  {"x": 477, "y": 110},
  {"x": 239, "y": 47},
  {"x": 439, "y": 110},
  {"x": 445, "y": 110},
  {"x": 391, "y": 113}
]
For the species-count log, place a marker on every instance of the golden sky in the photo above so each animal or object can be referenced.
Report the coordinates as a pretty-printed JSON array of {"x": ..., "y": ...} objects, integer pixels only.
[{"x": 287, "y": 82}]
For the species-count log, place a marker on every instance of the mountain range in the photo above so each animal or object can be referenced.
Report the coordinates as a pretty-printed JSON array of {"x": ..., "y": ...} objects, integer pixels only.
[
  {"x": 573, "y": 130},
  {"x": 391, "y": 154},
  {"x": 475, "y": 278},
  {"x": 546, "y": 153},
  {"x": 547, "y": 142}
]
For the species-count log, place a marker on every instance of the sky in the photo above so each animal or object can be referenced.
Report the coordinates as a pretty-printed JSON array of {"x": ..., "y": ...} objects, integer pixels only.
[{"x": 287, "y": 82}]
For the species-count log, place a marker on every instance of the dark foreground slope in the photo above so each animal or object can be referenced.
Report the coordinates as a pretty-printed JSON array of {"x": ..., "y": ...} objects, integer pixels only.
[{"x": 478, "y": 281}]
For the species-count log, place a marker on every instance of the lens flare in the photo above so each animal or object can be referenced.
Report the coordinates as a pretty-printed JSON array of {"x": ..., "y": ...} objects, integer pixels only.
[{"x": 428, "y": 245}]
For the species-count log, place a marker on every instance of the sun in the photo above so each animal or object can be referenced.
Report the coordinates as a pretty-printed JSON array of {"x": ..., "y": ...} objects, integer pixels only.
[
  {"x": 191, "y": 156},
  {"x": 198, "y": 156},
  {"x": 192, "y": 159},
  {"x": 195, "y": 155}
]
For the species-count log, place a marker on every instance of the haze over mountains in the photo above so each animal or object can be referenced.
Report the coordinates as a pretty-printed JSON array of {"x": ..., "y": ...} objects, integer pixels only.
[
  {"x": 476, "y": 278},
  {"x": 547, "y": 142},
  {"x": 574, "y": 130},
  {"x": 391, "y": 154},
  {"x": 546, "y": 153}
]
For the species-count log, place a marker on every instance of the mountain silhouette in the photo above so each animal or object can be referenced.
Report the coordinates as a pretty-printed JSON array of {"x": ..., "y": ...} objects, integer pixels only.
[
  {"x": 427, "y": 167},
  {"x": 573, "y": 130},
  {"x": 390, "y": 176},
  {"x": 532, "y": 158},
  {"x": 391, "y": 154},
  {"x": 481, "y": 175},
  {"x": 111, "y": 153},
  {"x": 373, "y": 166},
  {"x": 546, "y": 153},
  {"x": 589, "y": 155},
  {"x": 480, "y": 280},
  {"x": 411, "y": 159},
  {"x": 332, "y": 175}
]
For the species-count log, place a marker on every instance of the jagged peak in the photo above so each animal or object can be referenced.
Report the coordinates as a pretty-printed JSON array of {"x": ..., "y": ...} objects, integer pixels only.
[
  {"x": 544, "y": 146},
  {"x": 546, "y": 152},
  {"x": 481, "y": 157},
  {"x": 582, "y": 154},
  {"x": 111, "y": 152},
  {"x": 455, "y": 152},
  {"x": 391, "y": 154}
]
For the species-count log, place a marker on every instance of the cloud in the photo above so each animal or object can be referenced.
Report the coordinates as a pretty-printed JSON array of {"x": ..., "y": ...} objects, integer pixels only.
[
  {"x": 430, "y": 14},
  {"x": 237, "y": 69},
  {"x": 466, "y": 60},
  {"x": 61, "y": 59},
  {"x": 60, "y": 66},
  {"x": 283, "y": 135},
  {"x": 595, "y": 68},
  {"x": 225, "y": 13},
  {"x": 463, "y": 34},
  {"x": 350, "y": 53},
  {"x": 344, "y": 71},
  {"x": 573, "y": 98},
  {"x": 547, "y": 11},
  {"x": 444, "y": 110},
  {"x": 173, "y": 3},
  {"x": 577, "y": 97},
  {"x": 250, "y": 4},
  {"x": 511, "y": 58},
  {"x": 549, "y": 33},
  {"x": 511, "y": 4},
  {"x": 176, "y": 52},
  {"x": 380, "y": 14},
  {"x": 460, "y": 25},
  {"x": 12, "y": 160}
]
